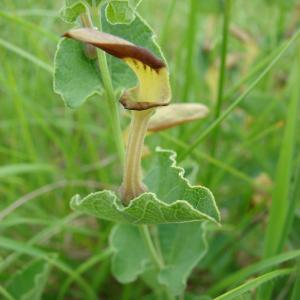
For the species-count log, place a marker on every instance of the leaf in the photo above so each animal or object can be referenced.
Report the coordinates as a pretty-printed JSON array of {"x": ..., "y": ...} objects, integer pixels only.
[
  {"x": 72, "y": 10},
  {"x": 172, "y": 199},
  {"x": 130, "y": 257},
  {"x": 121, "y": 11},
  {"x": 182, "y": 247},
  {"x": 76, "y": 77},
  {"x": 29, "y": 283}
]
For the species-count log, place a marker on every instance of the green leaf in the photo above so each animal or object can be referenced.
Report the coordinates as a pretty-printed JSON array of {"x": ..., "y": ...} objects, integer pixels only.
[
  {"x": 29, "y": 283},
  {"x": 121, "y": 11},
  {"x": 130, "y": 257},
  {"x": 182, "y": 247},
  {"x": 76, "y": 77},
  {"x": 172, "y": 199},
  {"x": 72, "y": 10}
]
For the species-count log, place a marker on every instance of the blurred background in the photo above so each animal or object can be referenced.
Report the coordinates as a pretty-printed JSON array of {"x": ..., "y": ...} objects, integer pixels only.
[{"x": 48, "y": 152}]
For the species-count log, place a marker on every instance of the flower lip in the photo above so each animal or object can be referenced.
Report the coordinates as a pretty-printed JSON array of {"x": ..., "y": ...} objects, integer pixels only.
[
  {"x": 153, "y": 88},
  {"x": 115, "y": 46},
  {"x": 176, "y": 114}
]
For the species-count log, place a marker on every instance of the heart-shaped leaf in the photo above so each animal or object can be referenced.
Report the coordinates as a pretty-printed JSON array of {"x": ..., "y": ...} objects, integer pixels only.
[
  {"x": 172, "y": 199},
  {"x": 182, "y": 247}
]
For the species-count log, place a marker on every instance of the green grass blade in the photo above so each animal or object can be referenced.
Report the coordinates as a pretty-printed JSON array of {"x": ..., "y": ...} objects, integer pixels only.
[
  {"x": 13, "y": 170},
  {"x": 191, "y": 41},
  {"x": 29, "y": 25},
  {"x": 222, "y": 70},
  {"x": 217, "y": 163},
  {"x": 252, "y": 284},
  {"x": 279, "y": 208},
  {"x": 295, "y": 196},
  {"x": 165, "y": 27},
  {"x": 227, "y": 112},
  {"x": 6, "y": 294},
  {"x": 253, "y": 72},
  {"x": 37, "y": 12},
  {"x": 47, "y": 233},
  {"x": 10, "y": 244},
  {"x": 251, "y": 270},
  {"x": 222, "y": 79},
  {"x": 19, "y": 51},
  {"x": 296, "y": 289},
  {"x": 278, "y": 214},
  {"x": 95, "y": 259}
]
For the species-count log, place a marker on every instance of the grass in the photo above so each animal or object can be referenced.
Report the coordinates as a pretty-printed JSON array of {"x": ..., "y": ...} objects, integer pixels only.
[{"x": 49, "y": 153}]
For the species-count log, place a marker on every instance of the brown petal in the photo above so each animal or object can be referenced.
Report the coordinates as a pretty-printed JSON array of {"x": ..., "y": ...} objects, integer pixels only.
[
  {"x": 153, "y": 89},
  {"x": 115, "y": 46},
  {"x": 176, "y": 114}
]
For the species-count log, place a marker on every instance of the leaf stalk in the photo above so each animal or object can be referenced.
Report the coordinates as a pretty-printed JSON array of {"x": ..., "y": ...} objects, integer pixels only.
[
  {"x": 109, "y": 90},
  {"x": 154, "y": 253}
]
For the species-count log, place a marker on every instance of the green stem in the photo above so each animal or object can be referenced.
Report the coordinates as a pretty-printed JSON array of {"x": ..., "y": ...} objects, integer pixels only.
[
  {"x": 154, "y": 253},
  {"x": 109, "y": 90},
  {"x": 151, "y": 248},
  {"x": 191, "y": 42},
  {"x": 222, "y": 76}
]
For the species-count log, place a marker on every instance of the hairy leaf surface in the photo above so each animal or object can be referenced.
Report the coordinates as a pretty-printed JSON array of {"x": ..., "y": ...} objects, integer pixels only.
[
  {"x": 182, "y": 247},
  {"x": 172, "y": 199}
]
